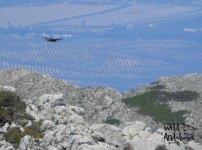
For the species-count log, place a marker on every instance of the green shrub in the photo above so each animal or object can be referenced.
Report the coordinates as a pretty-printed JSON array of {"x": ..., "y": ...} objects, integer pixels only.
[
  {"x": 12, "y": 108},
  {"x": 152, "y": 103},
  {"x": 146, "y": 98},
  {"x": 155, "y": 95},
  {"x": 162, "y": 113},
  {"x": 112, "y": 121},
  {"x": 35, "y": 126},
  {"x": 14, "y": 135},
  {"x": 31, "y": 132}
]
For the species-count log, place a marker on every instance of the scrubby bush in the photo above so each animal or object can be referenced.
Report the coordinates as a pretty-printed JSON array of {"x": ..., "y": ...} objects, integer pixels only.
[
  {"x": 14, "y": 135},
  {"x": 12, "y": 108},
  {"x": 152, "y": 103},
  {"x": 144, "y": 99},
  {"x": 31, "y": 132},
  {"x": 112, "y": 121}
]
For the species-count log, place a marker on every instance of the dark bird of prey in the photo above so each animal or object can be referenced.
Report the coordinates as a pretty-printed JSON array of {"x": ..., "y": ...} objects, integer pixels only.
[{"x": 52, "y": 39}]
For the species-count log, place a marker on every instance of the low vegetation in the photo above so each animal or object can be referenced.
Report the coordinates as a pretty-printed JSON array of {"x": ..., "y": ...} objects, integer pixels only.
[
  {"x": 112, "y": 121},
  {"x": 153, "y": 103},
  {"x": 14, "y": 135},
  {"x": 13, "y": 110}
]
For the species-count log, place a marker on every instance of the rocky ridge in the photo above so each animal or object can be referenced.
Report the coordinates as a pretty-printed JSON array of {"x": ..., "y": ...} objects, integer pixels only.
[
  {"x": 103, "y": 102},
  {"x": 65, "y": 128},
  {"x": 73, "y": 118},
  {"x": 189, "y": 82}
]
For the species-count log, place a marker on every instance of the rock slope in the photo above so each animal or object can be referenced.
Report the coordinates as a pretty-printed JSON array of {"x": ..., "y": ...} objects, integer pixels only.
[
  {"x": 190, "y": 82},
  {"x": 103, "y": 102},
  {"x": 65, "y": 128},
  {"x": 75, "y": 118}
]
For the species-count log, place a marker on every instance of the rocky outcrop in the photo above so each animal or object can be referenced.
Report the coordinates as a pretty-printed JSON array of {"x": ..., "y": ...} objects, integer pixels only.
[
  {"x": 103, "y": 102},
  {"x": 75, "y": 118},
  {"x": 65, "y": 128},
  {"x": 191, "y": 82}
]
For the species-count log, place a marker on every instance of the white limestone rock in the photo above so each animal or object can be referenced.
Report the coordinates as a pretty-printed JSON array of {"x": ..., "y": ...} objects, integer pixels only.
[
  {"x": 108, "y": 134},
  {"x": 76, "y": 109},
  {"x": 143, "y": 135},
  {"x": 138, "y": 144},
  {"x": 8, "y": 88},
  {"x": 154, "y": 140},
  {"x": 25, "y": 142},
  {"x": 47, "y": 125},
  {"x": 5, "y": 128},
  {"x": 52, "y": 148},
  {"x": 148, "y": 129},
  {"x": 175, "y": 146},
  {"x": 194, "y": 145},
  {"x": 53, "y": 99},
  {"x": 5, "y": 145},
  {"x": 131, "y": 129},
  {"x": 12, "y": 125}
]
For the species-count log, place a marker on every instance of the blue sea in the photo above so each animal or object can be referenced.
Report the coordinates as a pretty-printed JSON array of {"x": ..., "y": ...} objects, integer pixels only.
[{"x": 122, "y": 56}]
